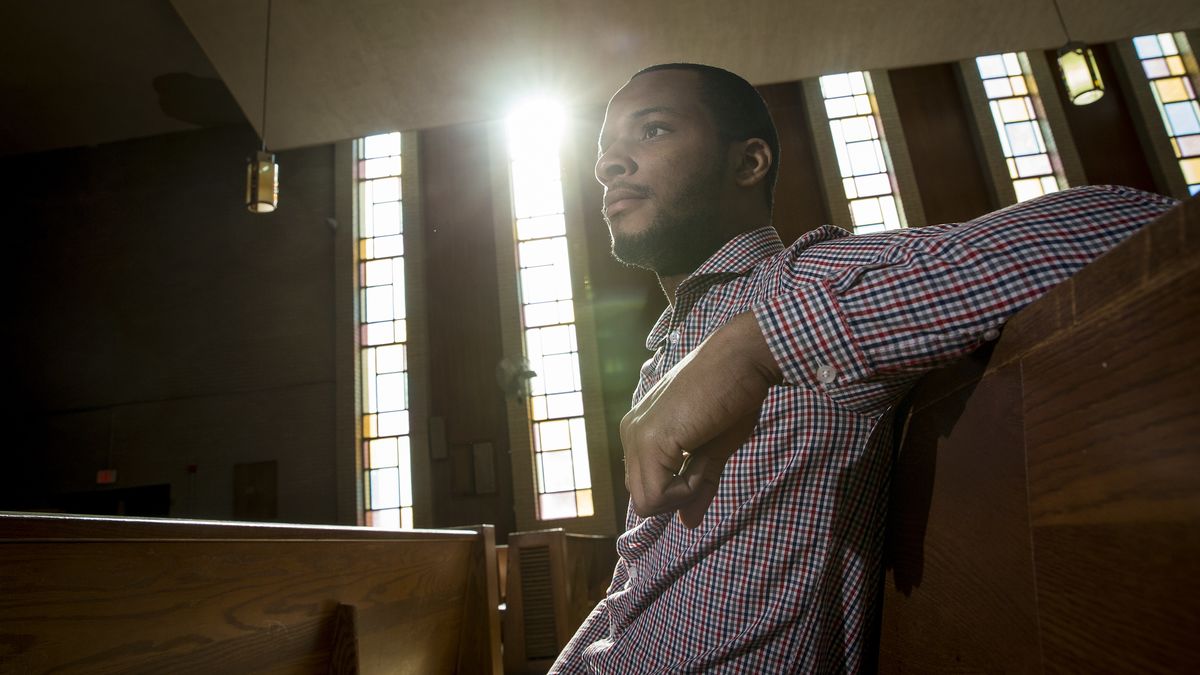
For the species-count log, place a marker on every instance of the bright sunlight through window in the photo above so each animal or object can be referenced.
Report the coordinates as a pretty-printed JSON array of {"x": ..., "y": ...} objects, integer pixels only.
[{"x": 562, "y": 477}]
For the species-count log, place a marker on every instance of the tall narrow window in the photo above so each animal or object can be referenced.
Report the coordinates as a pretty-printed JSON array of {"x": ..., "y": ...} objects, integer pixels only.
[
  {"x": 387, "y": 479},
  {"x": 861, "y": 152},
  {"x": 1006, "y": 81},
  {"x": 562, "y": 477},
  {"x": 1176, "y": 98}
]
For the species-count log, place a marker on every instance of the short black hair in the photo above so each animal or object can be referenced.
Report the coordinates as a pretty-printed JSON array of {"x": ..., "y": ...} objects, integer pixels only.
[{"x": 738, "y": 110}]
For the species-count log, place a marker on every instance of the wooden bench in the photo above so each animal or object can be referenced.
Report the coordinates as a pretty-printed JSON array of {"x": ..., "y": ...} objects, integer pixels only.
[
  {"x": 1045, "y": 511},
  {"x": 93, "y": 594},
  {"x": 554, "y": 580}
]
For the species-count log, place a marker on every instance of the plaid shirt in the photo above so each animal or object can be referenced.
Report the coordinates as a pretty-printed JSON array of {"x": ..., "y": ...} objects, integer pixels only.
[{"x": 781, "y": 576}]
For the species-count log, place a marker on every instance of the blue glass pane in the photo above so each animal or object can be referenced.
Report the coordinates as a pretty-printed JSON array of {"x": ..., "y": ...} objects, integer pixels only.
[
  {"x": 1147, "y": 46},
  {"x": 1183, "y": 118}
]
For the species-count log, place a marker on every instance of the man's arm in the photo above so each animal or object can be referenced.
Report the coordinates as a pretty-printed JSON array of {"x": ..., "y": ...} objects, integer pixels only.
[
  {"x": 864, "y": 334},
  {"x": 706, "y": 406}
]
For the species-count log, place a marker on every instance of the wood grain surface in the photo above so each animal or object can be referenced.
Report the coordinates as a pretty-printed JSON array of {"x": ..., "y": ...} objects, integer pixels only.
[
  {"x": 79, "y": 596},
  {"x": 1045, "y": 512},
  {"x": 960, "y": 590}
]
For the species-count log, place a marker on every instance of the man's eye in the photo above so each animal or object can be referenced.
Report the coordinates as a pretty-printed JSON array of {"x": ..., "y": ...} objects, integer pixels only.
[{"x": 653, "y": 130}]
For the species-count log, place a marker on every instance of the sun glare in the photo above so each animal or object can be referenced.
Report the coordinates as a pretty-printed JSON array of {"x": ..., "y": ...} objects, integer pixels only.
[{"x": 535, "y": 128}]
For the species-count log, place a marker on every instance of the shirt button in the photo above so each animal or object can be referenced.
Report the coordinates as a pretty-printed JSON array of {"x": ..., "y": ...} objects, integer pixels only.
[
  {"x": 827, "y": 374},
  {"x": 674, "y": 337},
  {"x": 633, "y": 572},
  {"x": 991, "y": 334}
]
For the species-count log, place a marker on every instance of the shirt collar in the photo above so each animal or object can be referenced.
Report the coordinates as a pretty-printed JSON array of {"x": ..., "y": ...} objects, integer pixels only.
[{"x": 740, "y": 254}]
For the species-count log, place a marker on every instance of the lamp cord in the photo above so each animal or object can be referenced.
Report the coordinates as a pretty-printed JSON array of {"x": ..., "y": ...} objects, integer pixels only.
[
  {"x": 1057, "y": 11},
  {"x": 266, "y": 70}
]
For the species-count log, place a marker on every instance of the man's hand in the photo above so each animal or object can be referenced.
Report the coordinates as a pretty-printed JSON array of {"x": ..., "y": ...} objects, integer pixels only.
[{"x": 706, "y": 406}]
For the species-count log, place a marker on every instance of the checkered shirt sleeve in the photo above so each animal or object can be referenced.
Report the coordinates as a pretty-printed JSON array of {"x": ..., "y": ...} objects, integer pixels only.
[{"x": 864, "y": 333}]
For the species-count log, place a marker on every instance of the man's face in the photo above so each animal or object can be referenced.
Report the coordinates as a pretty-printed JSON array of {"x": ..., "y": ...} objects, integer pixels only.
[{"x": 662, "y": 165}]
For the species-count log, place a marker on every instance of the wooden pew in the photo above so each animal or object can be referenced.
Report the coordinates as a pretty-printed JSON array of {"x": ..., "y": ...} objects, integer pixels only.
[
  {"x": 1045, "y": 508},
  {"x": 95, "y": 594},
  {"x": 555, "y": 580}
]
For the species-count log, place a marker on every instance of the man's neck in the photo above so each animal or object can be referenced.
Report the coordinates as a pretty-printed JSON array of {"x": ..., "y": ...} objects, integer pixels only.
[{"x": 669, "y": 284}]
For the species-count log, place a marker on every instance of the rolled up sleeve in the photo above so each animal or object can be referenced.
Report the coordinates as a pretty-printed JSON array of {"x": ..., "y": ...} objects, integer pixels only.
[{"x": 863, "y": 333}]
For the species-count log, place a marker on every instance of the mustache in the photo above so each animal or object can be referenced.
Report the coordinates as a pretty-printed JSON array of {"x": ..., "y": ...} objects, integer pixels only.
[{"x": 641, "y": 191}]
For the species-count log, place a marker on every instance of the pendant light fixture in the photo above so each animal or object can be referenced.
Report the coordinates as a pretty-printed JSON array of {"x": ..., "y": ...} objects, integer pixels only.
[
  {"x": 1077, "y": 67},
  {"x": 262, "y": 173}
]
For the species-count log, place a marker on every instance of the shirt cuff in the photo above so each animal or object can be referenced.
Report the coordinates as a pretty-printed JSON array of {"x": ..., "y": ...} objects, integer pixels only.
[{"x": 811, "y": 339}]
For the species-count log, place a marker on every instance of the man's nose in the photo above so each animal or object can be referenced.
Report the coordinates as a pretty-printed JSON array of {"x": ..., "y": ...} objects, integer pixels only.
[{"x": 612, "y": 164}]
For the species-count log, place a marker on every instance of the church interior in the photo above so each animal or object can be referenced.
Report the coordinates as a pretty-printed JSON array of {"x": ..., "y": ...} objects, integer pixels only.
[{"x": 320, "y": 355}]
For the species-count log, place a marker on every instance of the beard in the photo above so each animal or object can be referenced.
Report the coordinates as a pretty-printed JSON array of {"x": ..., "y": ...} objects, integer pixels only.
[{"x": 684, "y": 233}]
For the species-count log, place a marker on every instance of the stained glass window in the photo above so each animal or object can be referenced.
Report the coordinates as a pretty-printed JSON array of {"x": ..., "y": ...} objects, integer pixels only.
[
  {"x": 1176, "y": 98},
  {"x": 1006, "y": 81},
  {"x": 387, "y": 468},
  {"x": 861, "y": 152},
  {"x": 562, "y": 478}
]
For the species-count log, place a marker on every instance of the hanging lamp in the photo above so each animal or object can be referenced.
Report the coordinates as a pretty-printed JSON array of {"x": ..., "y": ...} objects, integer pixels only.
[
  {"x": 262, "y": 173},
  {"x": 1077, "y": 67}
]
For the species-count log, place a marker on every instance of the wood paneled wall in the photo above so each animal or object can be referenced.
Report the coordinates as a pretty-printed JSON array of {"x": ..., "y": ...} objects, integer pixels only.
[
  {"x": 941, "y": 143},
  {"x": 464, "y": 325}
]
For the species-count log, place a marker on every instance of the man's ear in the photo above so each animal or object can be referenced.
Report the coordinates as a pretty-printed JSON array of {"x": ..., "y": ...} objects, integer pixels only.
[{"x": 753, "y": 162}]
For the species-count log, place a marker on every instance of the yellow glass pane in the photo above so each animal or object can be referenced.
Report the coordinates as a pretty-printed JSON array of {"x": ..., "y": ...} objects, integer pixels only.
[
  {"x": 1027, "y": 188},
  {"x": 1191, "y": 169},
  {"x": 1018, "y": 85},
  {"x": 1171, "y": 90},
  {"x": 1013, "y": 110},
  {"x": 369, "y": 426},
  {"x": 583, "y": 503},
  {"x": 1175, "y": 65}
]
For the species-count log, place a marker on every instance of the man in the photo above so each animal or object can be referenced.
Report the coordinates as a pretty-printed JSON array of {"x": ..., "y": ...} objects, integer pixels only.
[{"x": 757, "y": 453}]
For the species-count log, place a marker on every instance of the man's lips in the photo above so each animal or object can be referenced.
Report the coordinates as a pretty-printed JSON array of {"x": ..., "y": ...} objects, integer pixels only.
[
  {"x": 621, "y": 198},
  {"x": 616, "y": 206}
]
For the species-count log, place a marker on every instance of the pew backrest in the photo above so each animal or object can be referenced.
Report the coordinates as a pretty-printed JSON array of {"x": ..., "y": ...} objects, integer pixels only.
[
  {"x": 554, "y": 581},
  {"x": 1045, "y": 507},
  {"x": 93, "y": 594}
]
